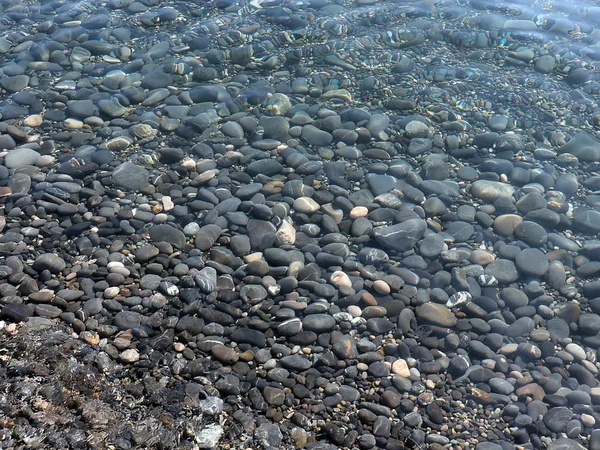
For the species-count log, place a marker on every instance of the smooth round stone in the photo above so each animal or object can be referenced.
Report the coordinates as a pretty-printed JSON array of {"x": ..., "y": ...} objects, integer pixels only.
[
  {"x": 223, "y": 354},
  {"x": 532, "y": 262},
  {"x": 505, "y": 224},
  {"x": 295, "y": 362},
  {"x": 306, "y": 205},
  {"x": 169, "y": 234},
  {"x": 278, "y": 104},
  {"x": 416, "y": 129},
  {"x": 567, "y": 184},
  {"x": 583, "y": 146},
  {"x": 557, "y": 418},
  {"x": 319, "y": 323},
  {"x": 358, "y": 212},
  {"x": 540, "y": 335},
  {"x": 436, "y": 314},
  {"x": 501, "y": 386},
  {"x": 232, "y": 129},
  {"x": 20, "y": 157},
  {"x": 431, "y": 246},
  {"x": 73, "y": 124},
  {"x": 585, "y": 220},
  {"x": 481, "y": 257},
  {"x": 576, "y": 351},
  {"x": 400, "y": 367},
  {"x": 206, "y": 280},
  {"x": 81, "y": 108},
  {"x": 125, "y": 320},
  {"x": 314, "y": 136},
  {"x": 34, "y": 120},
  {"x": 521, "y": 327},
  {"x": 345, "y": 348},
  {"x": 381, "y": 287},
  {"x": 289, "y": 327},
  {"x": 112, "y": 107},
  {"x": 15, "y": 83},
  {"x": 377, "y": 123},
  {"x": 490, "y": 191},
  {"x": 558, "y": 328},
  {"x": 460, "y": 231},
  {"x": 49, "y": 261},
  {"x": 130, "y": 176},
  {"x": 156, "y": 79},
  {"x": 401, "y": 237},
  {"x": 207, "y": 236},
  {"x": 566, "y": 444},
  {"x": 503, "y": 270},
  {"x": 532, "y": 233},
  {"x": 253, "y": 294},
  {"x": 589, "y": 324}
]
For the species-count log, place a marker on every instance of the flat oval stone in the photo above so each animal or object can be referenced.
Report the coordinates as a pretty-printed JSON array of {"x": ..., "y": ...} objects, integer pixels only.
[
  {"x": 532, "y": 262},
  {"x": 319, "y": 323},
  {"x": 490, "y": 191},
  {"x": 437, "y": 314}
]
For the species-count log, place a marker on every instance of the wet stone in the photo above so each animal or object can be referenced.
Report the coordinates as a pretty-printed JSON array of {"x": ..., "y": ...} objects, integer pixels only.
[
  {"x": 503, "y": 270},
  {"x": 436, "y": 314},
  {"x": 130, "y": 176},
  {"x": 401, "y": 237},
  {"x": 48, "y": 261},
  {"x": 557, "y": 418},
  {"x": 532, "y": 262}
]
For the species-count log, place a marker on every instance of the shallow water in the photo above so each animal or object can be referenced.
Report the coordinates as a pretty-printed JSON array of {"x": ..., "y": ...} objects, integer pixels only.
[{"x": 382, "y": 215}]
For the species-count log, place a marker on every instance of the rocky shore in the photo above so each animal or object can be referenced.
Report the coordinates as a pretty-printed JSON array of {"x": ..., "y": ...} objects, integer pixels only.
[{"x": 284, "y": 224}]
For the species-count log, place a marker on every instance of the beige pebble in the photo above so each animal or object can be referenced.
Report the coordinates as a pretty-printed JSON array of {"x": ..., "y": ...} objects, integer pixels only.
[
  {"x": 286, "y": 234},
  {"x": 295, "y": 268},
  {"x": 339, "y": 278},
  {"x": 35, "y": 120},
  {"x": 354, "y": 310},
  {"x": 111, "y": 292},
  {"x": 576, "y": 351},
  {"x": 508, "y": 349},
  {"x": 362, "y": 367},
  {"x": 168, "y": 204},
  {"x": 368, "y": 299},
  {"x": 130, "y": 356},
  {"x": 179, "y": 347},
  {"x": 400, "y": 367},
  {"x": 590, "y": 366},
  {"x": 416, "y": 128},
  {"x": 381, "y": 287},
  {"x": 253, "y": 257},
  {"x": 188, "y": 164},
  {"x": 45, "y": 161},
  {"x": 161, "y": 218},
  {"x": 74, "y": 124},
  {"x": 358, "y": 211},
  {"x": 588, "y": 420},
  {"x": 122, "y": 270},
  {"x": 482, "y": 257},
  {"x": 306, "y": 205}
]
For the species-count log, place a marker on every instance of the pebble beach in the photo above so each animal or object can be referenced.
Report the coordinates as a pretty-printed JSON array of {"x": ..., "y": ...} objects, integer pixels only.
[{"x": 300, "y": 224}]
